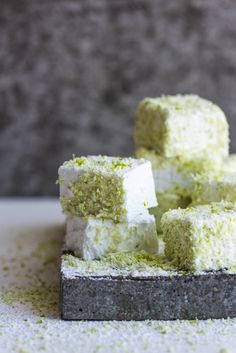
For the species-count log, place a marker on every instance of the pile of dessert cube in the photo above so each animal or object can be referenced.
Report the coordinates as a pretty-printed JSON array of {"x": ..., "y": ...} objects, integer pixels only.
[
  {"x": 181, "y": 188},
  {"x": 107, "y": 201}
]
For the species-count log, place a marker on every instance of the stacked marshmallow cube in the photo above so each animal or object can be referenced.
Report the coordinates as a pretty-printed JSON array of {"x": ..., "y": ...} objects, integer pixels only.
[
  {"x": 183, "y": 136},
  {"x": 202, "y": 237},
  {"x": 107, "y": 201}
]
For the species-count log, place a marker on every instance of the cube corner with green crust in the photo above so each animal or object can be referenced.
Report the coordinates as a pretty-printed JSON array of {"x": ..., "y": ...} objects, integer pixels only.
[
  {"x": 115, "y": 188},
  {"x": 201, "y": 238},
  {"x": 181, "y": 125}
]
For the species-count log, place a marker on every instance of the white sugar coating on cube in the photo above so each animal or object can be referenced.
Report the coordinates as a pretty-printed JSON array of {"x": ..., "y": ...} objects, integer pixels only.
[
  {"x": 229, "y": 164},
  {"x": 171, "y": 175},
  {"x": 92, "y": 238},
  {"x": 214, "y": 187},
  {"x": 176, "y": 175},
  {"x": 182, "y": 125},
  {"x": 201, "y": 238},
  {"x": 114, "y": 188}
]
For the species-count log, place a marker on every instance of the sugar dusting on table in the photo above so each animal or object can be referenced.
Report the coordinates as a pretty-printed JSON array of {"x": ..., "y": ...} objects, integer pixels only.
[{"x": 29, "y": 316}]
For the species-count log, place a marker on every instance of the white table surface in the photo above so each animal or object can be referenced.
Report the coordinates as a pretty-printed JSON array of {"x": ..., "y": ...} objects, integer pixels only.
[{"x": 31, "y": 232}]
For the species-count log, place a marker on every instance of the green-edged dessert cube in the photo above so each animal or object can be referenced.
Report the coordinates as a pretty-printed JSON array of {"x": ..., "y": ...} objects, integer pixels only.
[
  {"x": 201, "y": 238},
  {"x": 182, "y": 125},
  {"x": 120, "y": 189}
]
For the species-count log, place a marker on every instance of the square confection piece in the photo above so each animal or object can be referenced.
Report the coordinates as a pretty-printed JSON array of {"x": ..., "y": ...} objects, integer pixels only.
[
  {"x": 214, "y": 187},
  {"x": 114, "y": 188},
  {"x": 92, "y": 238},
  {"x": 182, "y": 125},
  {"x": 201, "y": 238}
]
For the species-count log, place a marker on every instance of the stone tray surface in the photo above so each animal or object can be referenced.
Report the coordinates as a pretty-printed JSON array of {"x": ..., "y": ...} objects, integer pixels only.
[
  {"x": 120, "y": 295},
  {"x": 31, "y": 233}
]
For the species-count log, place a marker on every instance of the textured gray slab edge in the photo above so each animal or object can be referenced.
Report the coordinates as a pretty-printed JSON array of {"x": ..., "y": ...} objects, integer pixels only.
[{"x": 188, "y": 297}]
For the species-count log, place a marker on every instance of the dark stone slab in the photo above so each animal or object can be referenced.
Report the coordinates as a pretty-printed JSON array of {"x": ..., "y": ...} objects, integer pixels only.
[{"x": 161, "y": 297}]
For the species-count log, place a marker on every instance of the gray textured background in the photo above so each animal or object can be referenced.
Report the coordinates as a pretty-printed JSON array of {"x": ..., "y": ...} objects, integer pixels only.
[{"x": 72, "y": 72}]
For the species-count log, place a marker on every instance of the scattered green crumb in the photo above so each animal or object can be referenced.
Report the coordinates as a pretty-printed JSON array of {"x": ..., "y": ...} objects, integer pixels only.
[
  {"x": 71, "y": 261},
  {"x": 135, "y": 261},
  {"x": 46, "y": 247},
  {"x": 97, "y": 347},
  {"x": 23, "y": 350},
  {"x": 162, "y": 329},
  {"x": 223, "y": 350},
  {"x": 39, "y": 321},
  {"x": 120, "y": 164},
  {"x": 79, "y": 161},
  {"x": 145, "y": 203},
  {"x": 190, "y": 340},
  {"x": 40, "y": 298},
  {"x": 49, "y": 260},
  {"x": 100, "y": 162},
  {"x": 201, "y": 331},
  {"x": 6, "y": 268},
  {"x": 75, "y": 161},
  {"x": 59, "y": 181},
  {"x": 42, "y": 348},
  {"x": 145, "y": 345},
  {"x": 92, "y": 330},
  {"x": 129, "y": 259}
]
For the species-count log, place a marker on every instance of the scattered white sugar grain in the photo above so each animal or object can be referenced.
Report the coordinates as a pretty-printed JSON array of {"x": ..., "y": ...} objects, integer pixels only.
[{"x": 22, "y": 331}]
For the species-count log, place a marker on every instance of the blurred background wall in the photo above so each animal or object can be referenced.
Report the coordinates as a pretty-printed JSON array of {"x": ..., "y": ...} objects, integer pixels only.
[{"x": 72, "y": 72}]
